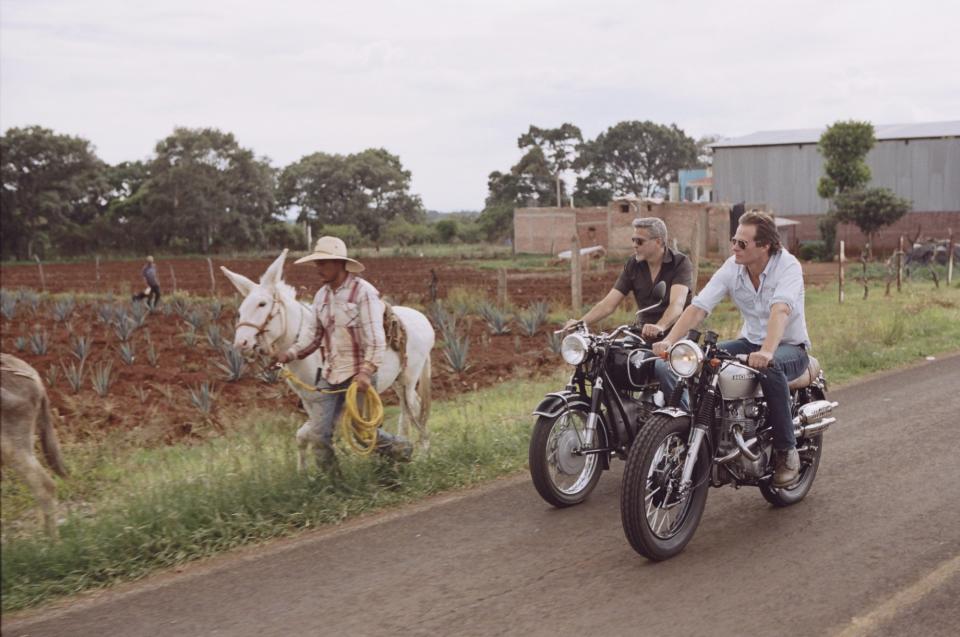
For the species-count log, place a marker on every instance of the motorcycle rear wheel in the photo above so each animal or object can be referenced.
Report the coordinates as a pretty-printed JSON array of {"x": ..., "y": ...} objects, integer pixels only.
[
  {"x": 785, "y": 496},
  {"x": 562, "y": 477},
  {"x": 658, "y": 523}
]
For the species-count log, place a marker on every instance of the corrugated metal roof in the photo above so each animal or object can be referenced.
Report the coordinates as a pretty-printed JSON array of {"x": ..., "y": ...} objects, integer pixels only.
[{"x": 923, "y": 130}]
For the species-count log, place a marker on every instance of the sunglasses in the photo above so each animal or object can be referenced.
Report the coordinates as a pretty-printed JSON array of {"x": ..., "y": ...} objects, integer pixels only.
[
  {"x": 639, "y": 241},
  {"x": 740, "y": 243}
]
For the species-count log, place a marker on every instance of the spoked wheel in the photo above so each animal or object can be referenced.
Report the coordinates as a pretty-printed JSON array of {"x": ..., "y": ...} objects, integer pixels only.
[
  {"x": 810, "y": 450},
  {"x": 561, "y": 474},
  {"x": 657, "y": 518}
]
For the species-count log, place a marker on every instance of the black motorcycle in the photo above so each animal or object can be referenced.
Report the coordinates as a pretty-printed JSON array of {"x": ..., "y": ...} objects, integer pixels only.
[
  {"x": 612, "y": 392},
  {"x": 724, "y": 439}
]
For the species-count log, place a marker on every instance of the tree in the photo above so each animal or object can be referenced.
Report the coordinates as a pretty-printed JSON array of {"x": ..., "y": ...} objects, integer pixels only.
[
  {"x": 557, "y": 147},
  {"x": 367, "y": 189},
  {"x": 51, "y": 187},
  {"x": 705, "y": 151},
  {"x": 844, "y": 146},
  {"x": 870, "y": 209},
  {"x": 633, "y": 158}
]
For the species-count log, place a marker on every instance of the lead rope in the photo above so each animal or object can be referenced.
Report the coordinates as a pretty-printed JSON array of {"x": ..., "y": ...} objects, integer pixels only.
[{"x": 358, "y": 426}]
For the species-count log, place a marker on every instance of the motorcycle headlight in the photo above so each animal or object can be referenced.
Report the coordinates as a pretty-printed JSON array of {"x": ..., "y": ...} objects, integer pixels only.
[
  {"x": 685, "y": 358},
  {"x": 573, "y": 348}
]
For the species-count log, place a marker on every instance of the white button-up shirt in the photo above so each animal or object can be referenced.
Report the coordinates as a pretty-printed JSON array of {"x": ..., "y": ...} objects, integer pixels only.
[{"x": 780, "y": 282}]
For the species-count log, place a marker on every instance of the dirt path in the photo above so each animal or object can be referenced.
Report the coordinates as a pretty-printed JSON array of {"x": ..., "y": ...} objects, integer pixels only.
[{"x": 878, "y": 539}]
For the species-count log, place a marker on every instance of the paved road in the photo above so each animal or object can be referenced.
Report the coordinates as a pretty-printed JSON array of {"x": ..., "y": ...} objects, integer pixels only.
[{"x": 874, "y": 549}]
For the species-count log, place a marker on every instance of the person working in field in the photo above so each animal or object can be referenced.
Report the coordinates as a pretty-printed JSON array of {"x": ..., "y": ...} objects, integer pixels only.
[
  {"x": 152, "y": 293},
  {"x": 350, "y": 333}
]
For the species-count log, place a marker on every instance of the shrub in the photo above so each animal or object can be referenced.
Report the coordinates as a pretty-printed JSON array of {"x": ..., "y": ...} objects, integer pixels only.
[
  {"x": 235, "y": 365},
  {"x": 102, "y": 377},
  {"x": 812, "y": 251},
  {"x": 39, "y": 342},
  {"x": 8, "y": 305},
  {"x": 74, "y": 375},
  {"x": 496, "y": 318},
  {"x": 81, "y": 346},
  {"x": 203, "y": 397},
  {"x": 124, "y": 327},
  {"x": 531, "y": 320},
  {"x": 63, "y": 309},
  {"x": 455, "y": 350},
  {"x": 127, "y": 353}
]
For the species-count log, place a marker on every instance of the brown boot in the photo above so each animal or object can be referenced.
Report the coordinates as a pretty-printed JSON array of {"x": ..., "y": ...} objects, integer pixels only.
[{"x": 786, "y": 467}]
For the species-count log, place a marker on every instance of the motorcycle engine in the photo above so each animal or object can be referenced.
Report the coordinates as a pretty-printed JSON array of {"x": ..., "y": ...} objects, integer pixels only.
[{"x": 744, "y": 415}]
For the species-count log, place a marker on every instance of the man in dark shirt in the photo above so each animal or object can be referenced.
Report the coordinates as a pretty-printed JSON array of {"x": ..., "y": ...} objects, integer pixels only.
[
  {"x": 149, "y": 273},
  {"x": 651, "y": 263}
]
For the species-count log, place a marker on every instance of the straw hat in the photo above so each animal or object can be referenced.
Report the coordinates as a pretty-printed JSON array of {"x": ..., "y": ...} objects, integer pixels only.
[{"x": 332, "y": 248}]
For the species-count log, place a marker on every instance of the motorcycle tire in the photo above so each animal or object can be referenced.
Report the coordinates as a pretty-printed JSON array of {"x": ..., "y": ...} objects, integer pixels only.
[
  {"x": 561, "y": 477},
  {"x": 648, "y": 473},
  {"x": 785, "y": 496}
]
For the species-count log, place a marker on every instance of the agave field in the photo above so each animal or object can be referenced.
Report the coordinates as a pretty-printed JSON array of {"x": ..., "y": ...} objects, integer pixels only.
[{"x": 170, "y": 373}]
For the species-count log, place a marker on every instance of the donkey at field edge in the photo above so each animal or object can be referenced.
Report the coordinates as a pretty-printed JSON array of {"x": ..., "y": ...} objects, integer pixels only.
[
  {"x": 271, "y": 320},
  {"x": 24, "y": 410}
]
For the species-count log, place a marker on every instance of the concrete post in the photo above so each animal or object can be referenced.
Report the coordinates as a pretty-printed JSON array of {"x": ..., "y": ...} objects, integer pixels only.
[{"x": 576, "y": 277}]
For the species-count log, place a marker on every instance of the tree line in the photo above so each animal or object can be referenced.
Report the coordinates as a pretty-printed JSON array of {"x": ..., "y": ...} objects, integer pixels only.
[
  {"x": 201, "y": 191},
  {"x": 631, "y": 158}
]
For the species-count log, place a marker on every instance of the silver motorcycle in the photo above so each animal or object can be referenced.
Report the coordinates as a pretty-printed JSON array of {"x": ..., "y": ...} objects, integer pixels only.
[{"x": 724, "y": 439}]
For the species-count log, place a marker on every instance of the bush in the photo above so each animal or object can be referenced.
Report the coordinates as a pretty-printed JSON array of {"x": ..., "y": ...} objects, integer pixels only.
[
  {"x": 279, "y": 235},
  {"x": 348, "y": 232},
  {"x": 812, "y": 251}
]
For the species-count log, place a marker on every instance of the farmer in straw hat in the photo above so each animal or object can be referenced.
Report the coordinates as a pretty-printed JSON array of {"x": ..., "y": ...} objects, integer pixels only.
[{"x": 349, "y": 316}]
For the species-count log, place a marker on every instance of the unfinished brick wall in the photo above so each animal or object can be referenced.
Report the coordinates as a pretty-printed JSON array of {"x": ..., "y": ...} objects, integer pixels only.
[{"x": 930, "y": 224}]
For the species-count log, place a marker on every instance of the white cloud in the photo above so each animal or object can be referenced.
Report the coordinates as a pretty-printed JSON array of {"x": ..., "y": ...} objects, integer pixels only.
[{"x": 449, "y": 86}]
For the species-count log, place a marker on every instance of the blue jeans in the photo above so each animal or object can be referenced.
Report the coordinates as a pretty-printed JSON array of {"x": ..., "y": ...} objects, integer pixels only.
[
  {"x": 789, "y": 362},
  {"x": 325, "y": 410},
  {"x": 668, "y": 382}
]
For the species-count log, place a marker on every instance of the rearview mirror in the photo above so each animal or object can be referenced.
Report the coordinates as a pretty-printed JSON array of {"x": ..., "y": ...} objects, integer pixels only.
[{"x": 659, "y": 290}]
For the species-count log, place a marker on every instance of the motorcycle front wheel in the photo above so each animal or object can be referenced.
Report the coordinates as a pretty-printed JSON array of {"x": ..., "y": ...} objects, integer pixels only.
[
  {"x": 657, "y": 520},
  {"x": 563, "y": 476}
]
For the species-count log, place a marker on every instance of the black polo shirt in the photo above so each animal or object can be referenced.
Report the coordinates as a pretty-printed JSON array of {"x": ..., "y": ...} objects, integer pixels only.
[{"x": 676, "y": 269}]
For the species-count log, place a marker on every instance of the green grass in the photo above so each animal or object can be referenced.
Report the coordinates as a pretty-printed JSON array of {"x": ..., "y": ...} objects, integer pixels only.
[{"x": 133, "y": 511}]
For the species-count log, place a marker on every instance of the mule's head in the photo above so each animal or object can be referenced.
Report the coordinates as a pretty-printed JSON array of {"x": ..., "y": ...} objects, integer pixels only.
[{"x": 260, "y": 321}]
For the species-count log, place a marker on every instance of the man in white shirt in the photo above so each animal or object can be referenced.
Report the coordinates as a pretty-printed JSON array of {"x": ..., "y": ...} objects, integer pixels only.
[{"x": 765, "y": 282}]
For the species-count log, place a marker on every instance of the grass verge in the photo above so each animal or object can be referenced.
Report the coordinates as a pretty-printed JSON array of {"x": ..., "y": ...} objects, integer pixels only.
[{"x": 134, "y": 511}]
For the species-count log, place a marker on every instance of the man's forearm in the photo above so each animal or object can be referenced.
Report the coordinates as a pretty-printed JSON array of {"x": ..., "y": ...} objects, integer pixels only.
[
  {"x": 691, "y": 317},
  {"x": 776, "y": 326}
]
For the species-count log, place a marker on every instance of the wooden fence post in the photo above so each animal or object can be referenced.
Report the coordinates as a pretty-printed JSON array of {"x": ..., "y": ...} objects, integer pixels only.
[
  {"x": 43, "y": 280},
  {"x": 951, "y": 248},
  {"x": 576, "y": 277},
  {"x": 843, "y": 258},
  {"x": 695, "y": 251},
  {"x": 98, "y": 272},
  {"x": 173, "y": 277},
  {"x": 502, "y": 287},
  {"x": 213, "y": 280},
  {"x": 900, "y": 263}
]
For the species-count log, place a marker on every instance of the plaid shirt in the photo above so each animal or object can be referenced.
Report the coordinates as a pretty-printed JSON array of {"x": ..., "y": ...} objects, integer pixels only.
[{"x": 349, "y": 329}]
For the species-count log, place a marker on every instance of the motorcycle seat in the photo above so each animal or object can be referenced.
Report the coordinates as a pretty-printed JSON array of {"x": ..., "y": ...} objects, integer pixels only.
[{"x": 807, "y": 377}]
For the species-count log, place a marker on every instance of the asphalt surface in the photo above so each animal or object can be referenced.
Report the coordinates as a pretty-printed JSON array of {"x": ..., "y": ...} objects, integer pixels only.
[{"x": 874, "y": 549}]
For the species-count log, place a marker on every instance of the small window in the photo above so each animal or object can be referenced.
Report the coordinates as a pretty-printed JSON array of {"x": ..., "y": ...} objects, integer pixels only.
[
  {"x": 649, "y": 208},
  {"x": 624, "y": 207}
]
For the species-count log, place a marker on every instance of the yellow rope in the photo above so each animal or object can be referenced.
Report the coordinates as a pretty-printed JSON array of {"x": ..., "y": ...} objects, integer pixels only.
[{"x": 358, "y": 427}]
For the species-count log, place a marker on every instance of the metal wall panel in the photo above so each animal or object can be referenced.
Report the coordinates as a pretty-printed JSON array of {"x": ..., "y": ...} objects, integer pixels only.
[{"x": 925, "y": 171}]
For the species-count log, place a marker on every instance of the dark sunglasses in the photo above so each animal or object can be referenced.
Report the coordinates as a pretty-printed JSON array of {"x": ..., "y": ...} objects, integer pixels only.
[
  {"x": 639, "y": 241},
  {"x": 739, "y": 243}
]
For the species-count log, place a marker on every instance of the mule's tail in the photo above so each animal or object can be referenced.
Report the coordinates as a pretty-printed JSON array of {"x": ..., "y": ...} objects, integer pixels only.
[
  {"x": 423, "y": 392},
  {"x": 49, "y": 441}
]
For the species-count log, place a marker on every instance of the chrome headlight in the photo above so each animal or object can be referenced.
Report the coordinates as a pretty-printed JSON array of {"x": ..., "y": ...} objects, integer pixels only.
[
  {"x": 685, "y": 358},
  {"x": 573, "y": 348}
]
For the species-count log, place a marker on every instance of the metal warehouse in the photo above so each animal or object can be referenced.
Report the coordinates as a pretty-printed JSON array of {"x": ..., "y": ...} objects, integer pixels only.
[{"x": 920, "y": 162}]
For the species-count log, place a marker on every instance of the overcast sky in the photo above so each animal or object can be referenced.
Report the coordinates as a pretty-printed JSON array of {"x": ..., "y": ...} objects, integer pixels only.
[{"x": 449, "y": 86}]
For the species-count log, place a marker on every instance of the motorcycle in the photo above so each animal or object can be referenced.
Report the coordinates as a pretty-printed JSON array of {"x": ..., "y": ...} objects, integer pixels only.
[
  {"x": 611, "y": 393},
  {"x": 724, "y": 439}
]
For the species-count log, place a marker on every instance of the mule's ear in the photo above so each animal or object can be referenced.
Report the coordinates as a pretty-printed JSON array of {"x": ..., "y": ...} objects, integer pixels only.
[
  {"x": 242, "y": 283},
  {"x": 274, "y": 274}
]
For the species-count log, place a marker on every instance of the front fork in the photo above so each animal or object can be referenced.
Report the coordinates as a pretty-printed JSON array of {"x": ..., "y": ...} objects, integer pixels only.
[
  {"x": 590, "y": 430},
  {"x": 697, "y": 433}
]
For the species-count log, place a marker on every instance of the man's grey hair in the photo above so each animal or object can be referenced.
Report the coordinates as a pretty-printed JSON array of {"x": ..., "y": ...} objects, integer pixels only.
[{"x": 654, "y": 225}]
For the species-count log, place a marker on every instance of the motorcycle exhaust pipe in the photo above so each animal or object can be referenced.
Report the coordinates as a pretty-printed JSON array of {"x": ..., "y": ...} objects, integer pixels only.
[
  {"x": 813, "y": 428},
  {"x": 809, "y": 422}
]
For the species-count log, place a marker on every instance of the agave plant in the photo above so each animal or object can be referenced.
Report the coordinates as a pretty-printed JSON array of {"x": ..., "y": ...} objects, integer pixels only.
[
  {"x": 127, "y": 352},
  {"x": 52, "y": 375},
  {"x": 496, "y": 318},
  {"x": 553, "y": 341},
  {"x": 74, "y": 375},
  {"x": 31, "y": 299},
  {"x": 63, "y": 309},
  {"x": 531, "y": 320},
  {"x": 81, "y": 346},
  {"x": 189, "y": 337},
  {"x": 270, "y": 374},
  {"x": 105, "y": 313},
  {"x": 194, "y": 319},
  {"x": 214, "y": 337},
  {"x": 439, "y": 316},
  {"x": 180, "y": 306},
  {"x": 455, "y": 350},
  {"x": 235, "y": 365},
  {"x": 8, "y": 305},
  {"x": 216, "y": 310},
  {"x": 203, "y": 397},
  {"x": 102, "y": 377},
  {"x": 20, "y": 343},
  {"x": 124, "y": 327},
  {"x": 152, "y": 356},
  {"x": 39, "y": 342},
  {"x": 139, "y": 312}
]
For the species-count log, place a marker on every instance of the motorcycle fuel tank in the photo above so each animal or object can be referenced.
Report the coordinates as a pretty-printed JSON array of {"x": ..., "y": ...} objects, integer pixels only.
[{"x": 739, "y": 381}]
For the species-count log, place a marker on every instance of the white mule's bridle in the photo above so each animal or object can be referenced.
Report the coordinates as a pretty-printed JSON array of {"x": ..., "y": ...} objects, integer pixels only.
[{"x": 277, "y": 308}]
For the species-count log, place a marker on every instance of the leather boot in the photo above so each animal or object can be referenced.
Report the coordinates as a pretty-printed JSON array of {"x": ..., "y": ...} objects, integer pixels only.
[
  {"x": 786, "y": 467},
  {"x": 327, "y": 460}
]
